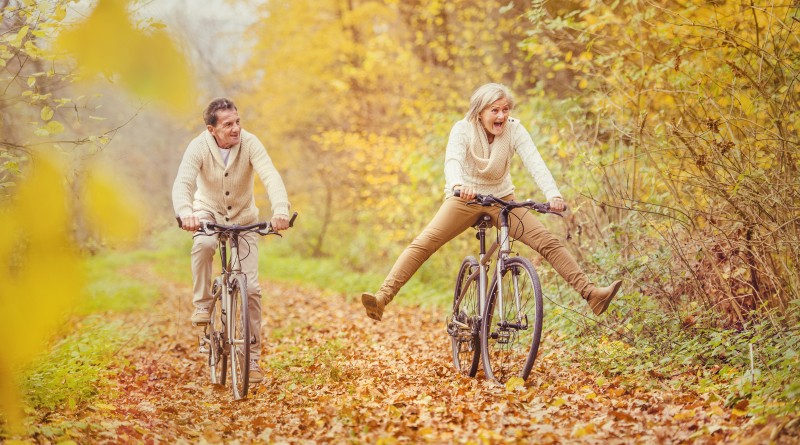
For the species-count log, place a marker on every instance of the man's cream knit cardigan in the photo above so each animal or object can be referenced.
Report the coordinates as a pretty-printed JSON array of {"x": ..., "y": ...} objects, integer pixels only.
[{"x": 226, "y": 191}]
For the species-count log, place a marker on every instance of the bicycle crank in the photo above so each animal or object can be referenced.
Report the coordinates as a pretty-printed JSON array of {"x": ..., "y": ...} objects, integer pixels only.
[
  {"x": 204, "y": 344},
  {"x": 505, "y": 335}
]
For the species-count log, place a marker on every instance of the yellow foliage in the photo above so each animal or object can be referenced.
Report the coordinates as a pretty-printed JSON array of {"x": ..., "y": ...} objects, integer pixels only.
[
  {"x": 147, "y": 64},
  {"x": 110, "y": 213},
  {"x": 41, "y": 274}
]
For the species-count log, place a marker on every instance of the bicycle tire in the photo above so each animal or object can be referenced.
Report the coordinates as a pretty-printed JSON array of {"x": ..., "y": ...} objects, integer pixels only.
[
  {"x": 510, "y": 347},
  {"x": 217, "y": 359},
  {"x": 464, "y": 340},
  {"x": 240, "y": 336}
]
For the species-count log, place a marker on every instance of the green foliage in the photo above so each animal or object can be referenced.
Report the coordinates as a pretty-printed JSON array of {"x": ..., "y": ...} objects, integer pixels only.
[
  {"x": 70, "y": 372},
  {"x": 280, "y": 263},
  {"x": 637, "y": 339},
  {"x": 117, "y": 292}
]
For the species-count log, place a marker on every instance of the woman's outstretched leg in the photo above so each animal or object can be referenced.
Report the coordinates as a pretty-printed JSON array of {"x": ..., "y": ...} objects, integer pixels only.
[
  {"x": 453, "y": 217},
  {"x": 526, "y": 227}
]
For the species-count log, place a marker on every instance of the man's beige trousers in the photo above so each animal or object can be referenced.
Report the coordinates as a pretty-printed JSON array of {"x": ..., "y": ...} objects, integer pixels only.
[{"x": 202, "y": 263}]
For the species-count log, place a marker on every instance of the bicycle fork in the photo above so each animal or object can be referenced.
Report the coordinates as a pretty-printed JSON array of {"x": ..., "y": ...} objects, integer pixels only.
[{"x": 507, "y": 329}]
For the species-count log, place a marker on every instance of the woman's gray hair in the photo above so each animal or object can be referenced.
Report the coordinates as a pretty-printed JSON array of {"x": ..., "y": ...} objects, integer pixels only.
[{"x": 486, "y": 95}]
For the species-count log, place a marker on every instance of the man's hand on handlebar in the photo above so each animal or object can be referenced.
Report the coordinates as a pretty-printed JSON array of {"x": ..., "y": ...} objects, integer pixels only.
[
  {"x": 190, "y": 223},
  {"x": 279, "y": 222}
]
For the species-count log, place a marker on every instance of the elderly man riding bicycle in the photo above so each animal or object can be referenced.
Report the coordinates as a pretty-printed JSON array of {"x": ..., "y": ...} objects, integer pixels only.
[{"x": 215, "y": 183}]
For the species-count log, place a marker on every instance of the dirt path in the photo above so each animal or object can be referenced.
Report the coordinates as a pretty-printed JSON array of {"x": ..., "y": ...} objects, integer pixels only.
[{"x": 334, "y": 376}]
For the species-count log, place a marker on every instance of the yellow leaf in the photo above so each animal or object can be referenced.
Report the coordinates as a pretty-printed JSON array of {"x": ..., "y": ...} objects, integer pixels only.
[
  {"x": 147, "y": 64},
  {"x": 110, "y": 208},
  {"x": 17, "y": 39},
  {"x": 557, "y": 402},
  {"x": 105, "y": 407},
  {"x": 60, "y": 13},
  {"x": 46, "y": 113},
  {"x": 684, "y": 415},
  {"x": 584, "y": 430},
  {"x": 54, "y": 127},
  {"x": 515, "y": 383},
  {"x": 583, "y": 84},
  {"x": 39, "y": 262}
]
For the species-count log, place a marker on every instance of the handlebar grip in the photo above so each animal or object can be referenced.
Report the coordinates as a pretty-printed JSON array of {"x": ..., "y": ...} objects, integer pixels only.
[
  {"x": 457, "y": 193},
  {"x": 291, "y": 221},
  {"x": 180, "y": 223}
]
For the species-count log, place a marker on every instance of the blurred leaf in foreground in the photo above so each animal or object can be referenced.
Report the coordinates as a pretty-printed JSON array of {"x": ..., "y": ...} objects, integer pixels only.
[
  {"x": 40, "y": 276},
  {"x": 112, "y": 214},
  {"x": 146, "y": 63}
]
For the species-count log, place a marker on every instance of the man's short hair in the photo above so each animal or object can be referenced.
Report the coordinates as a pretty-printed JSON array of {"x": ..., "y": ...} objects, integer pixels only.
[{"x": 218, "y": 104}]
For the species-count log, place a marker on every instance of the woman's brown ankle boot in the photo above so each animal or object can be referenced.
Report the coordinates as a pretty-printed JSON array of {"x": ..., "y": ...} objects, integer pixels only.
[
  {"x": 374, "y": 305},
  {"x": 600, "y": 297}
]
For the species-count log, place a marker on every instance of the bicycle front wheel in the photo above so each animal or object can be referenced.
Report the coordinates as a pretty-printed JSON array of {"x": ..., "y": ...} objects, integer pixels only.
[
  {"x": 215, "y": 337},
  {"x": 512, "y": 325},
  {"x": 239, "y": 331},
  {"x": 464, "y": 323}
]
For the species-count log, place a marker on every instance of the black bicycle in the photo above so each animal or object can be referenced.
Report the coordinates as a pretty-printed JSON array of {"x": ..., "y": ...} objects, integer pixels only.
[{"x": 500, "y": 321}]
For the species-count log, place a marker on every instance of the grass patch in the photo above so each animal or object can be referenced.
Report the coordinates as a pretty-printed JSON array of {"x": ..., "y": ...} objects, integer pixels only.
[
  {"x": 321, "y": 359},
  {"x": 109, "y": 288},
  {"x": 278, "y": 262},
  {"x": 73, "y": 370},
  {"x": 754, "y": 370},
  {"x": 77, "y": 364}
]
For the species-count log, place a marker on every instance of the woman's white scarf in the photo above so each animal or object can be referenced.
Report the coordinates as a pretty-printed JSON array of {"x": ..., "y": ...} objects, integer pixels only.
[{"x": 487, "y": 165}]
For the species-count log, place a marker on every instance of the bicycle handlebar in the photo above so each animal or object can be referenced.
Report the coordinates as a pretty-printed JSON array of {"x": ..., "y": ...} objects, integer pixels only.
[
  {"x": 489, "y": 200},
  {"x": 262, "y": 228}
]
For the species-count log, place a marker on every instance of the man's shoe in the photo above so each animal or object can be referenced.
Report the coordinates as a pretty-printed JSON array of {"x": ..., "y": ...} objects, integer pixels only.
[
  {"x": 374, "y": 306},
  {"x": 201, "y": 316},
  {"x": 600, "y": 297},
  {"x": 256, "y": 376}
]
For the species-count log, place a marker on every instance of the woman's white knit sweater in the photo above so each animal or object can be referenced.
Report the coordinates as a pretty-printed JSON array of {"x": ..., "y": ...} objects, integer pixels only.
[
  {"x": 459, "y": 170},
  {"x": 226, "y": 190}
]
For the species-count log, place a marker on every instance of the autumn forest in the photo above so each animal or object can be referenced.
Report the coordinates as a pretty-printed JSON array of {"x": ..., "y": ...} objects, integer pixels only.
[{"x": 671, "y": 128}]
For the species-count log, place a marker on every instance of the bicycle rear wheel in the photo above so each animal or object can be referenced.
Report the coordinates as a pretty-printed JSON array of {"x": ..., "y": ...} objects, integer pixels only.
[
  {"x": 215, "y": 337},
  {"x": 240, "y": 336},
  {"x": 464, "y": 323},
  {"x": 512, "y": 326}
]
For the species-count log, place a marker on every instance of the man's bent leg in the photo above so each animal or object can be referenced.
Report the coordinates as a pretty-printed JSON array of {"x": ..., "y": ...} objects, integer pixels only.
[{"x": 202, "y": 257}]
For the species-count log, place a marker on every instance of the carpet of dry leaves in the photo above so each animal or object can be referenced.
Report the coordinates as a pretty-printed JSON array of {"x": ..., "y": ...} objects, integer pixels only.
[{"x": 334, "y": 376}]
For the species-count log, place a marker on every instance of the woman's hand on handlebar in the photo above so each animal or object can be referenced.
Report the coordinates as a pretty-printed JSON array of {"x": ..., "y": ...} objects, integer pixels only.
[
  {"x": 190, "y": 223},
  {"x": 557, "y": 204},
  {"x": 467, "y": 193},
  {"x": 279, "y": 222}
]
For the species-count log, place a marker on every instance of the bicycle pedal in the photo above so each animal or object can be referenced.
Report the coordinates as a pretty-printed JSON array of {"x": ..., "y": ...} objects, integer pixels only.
[{"x": 200, "y": 323}]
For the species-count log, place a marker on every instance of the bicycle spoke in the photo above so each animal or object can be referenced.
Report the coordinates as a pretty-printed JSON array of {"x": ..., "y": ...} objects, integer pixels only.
[
  {"x": 464, "y": 322},
  {"x": 240, "y": 347},
  {"x": 214, "y": 337},
  {"x": 513, "y": 322}
]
